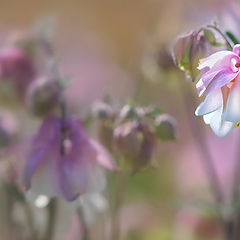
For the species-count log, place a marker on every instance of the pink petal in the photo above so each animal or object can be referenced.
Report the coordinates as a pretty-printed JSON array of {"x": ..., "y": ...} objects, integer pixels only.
[
  {"x": 236, "y": 49},
  {"x": 210, "y": 61},
  {"x": 103, "y": 157}
]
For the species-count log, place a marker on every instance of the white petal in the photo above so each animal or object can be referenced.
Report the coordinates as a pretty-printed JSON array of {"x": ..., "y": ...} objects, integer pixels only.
[
  {"x": 232, "y": 113},
  {"x": 212, "y": 102},
  {"x": 207, "y": 118},
  {"x": 220, "y": 127}
]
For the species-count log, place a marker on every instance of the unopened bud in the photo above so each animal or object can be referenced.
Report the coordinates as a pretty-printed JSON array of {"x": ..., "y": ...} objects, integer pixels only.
[
  {"x": 43, "y": 95},
  {"x": 128, "y": 112},
  {"x": 133, "y": 143},
  {"x": 165, "y": 127},
  {"x": 16, "y": 66},
  {"x": 103, "y": 111},
  {"x": 188, "y": 50}
]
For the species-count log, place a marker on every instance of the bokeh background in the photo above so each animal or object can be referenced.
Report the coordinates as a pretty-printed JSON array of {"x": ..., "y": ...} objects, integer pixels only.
[{"x": 122, "y": 49}]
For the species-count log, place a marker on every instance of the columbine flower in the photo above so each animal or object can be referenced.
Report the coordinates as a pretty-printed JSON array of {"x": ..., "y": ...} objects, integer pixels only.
[
  {"x": 220, "y": 83},
  {"x": 65, "y": 161}
]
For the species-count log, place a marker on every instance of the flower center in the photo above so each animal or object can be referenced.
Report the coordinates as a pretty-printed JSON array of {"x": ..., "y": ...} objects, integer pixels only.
[{"x": 237, "y": 65}]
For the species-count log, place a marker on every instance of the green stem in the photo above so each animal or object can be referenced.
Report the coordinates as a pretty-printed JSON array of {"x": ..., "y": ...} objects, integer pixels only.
[
  {"x": 230, "y": 47},
  {"x": 85, "y": 234},
  {"x": 120, "y": 194},
  {"x": 51, "y": 220}
]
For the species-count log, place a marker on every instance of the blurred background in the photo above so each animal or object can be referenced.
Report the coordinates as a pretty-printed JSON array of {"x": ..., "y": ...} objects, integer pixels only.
[{"x": 122, "y": 49}]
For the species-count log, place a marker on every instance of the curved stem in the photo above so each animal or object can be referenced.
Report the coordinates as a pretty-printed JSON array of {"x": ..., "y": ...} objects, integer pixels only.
[{"x": 222, "y": 34}]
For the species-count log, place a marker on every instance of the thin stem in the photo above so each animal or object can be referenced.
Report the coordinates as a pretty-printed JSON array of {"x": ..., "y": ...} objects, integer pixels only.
[
  {"x": 51, "y": 220},
  {"x": 85, "y": 232},
  {"x": 120, "y": 193},
  {"x": 207, "y": 161},
  {"x": 30, "y": 221},
  {"x": 222, "y": 34},
  {"x": 206, "y": 158},
  {"x": 235, "y": 195}
]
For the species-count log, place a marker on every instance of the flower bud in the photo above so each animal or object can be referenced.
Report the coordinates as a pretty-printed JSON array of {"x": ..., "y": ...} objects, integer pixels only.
[
  {"x": 16, "y": 66},
  {"x": 165, "y": 127},
  {"x": 133, "y": 143},
  {"x": 188, "y": 49},
  {"x": 43, "y": 95},
  {"x": 27, "y": 41},
  {"x": 103, "y": 111},
  {"x": 128, "y": 112},
  {"x": 106, "y": 116}
]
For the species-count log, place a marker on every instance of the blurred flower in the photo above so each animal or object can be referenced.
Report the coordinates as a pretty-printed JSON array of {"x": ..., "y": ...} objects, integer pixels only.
[
  {"x": 43, "y": 95},
  {"x": 16, "y": 66},
  {"x": 106, "y": 116},
  {"x": 188, "y": 49},
  {"x": 92, "y": 203},
  {"x": 220, "y": 83},
  {"x": 65, "y": 161},
  {"x": 8, "y": 128},
  {"x": 134, "y": 143},
  {"x": 191, "y": 223},
  {"x": 25, "y": 40},
  {"x": 165, "y": 127}
]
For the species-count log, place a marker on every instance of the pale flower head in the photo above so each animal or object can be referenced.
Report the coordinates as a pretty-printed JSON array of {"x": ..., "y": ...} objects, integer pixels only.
[
  {"x": 220, "y": 83},
  {"x": 65, "y": 161}
]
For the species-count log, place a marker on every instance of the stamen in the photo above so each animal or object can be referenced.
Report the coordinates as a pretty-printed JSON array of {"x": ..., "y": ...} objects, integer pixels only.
[
  {"x": 237, "y": 65},
  {"x": 237, "y": 125}
]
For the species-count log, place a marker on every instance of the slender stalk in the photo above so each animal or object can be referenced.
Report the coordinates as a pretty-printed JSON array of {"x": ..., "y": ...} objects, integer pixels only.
[
  {"x": 85, "y": 234},
  {"x": 120, "y": 194},
  {"x": 51, "y": 220},
  {"x": 230, "y": 47},
  {"x": 206, "y": 158},
  {"x": 207, "y": 162},
  {"x": 235, "y": 196},
  {"x": 30, "y": 221}
]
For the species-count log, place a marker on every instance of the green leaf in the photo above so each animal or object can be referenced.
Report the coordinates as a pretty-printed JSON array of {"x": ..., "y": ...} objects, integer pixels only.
[
  {"x": 232, "y": 37},
  {"x": 209, "y": 35}
]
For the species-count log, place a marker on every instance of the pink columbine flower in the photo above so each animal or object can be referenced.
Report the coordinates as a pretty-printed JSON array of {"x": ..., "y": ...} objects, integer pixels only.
[
  {"x": 64, "y": 161},
  {"x": 220, "y": 83}
]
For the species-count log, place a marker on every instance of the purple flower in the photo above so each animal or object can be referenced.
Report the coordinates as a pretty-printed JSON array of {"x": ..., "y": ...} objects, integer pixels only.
[
  {"x": 64, "y": 161},
  {"x": 220, "y": 83}
]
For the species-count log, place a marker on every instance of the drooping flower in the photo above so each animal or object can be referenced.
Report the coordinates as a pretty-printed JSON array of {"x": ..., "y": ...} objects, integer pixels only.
[
  {"x": 188, "y": 49},
  {"x": 65, "y": 161},
  {"x": 220, "y": 83}
]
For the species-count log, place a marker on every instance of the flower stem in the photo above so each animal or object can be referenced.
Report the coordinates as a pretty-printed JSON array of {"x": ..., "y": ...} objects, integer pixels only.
[
  {"x": 51, "y": 220},
  {"x": 206, "y": 158},
  {"x": 222, "y": 34},
  {"x": 120, "y": 193},
  {"x": 85, "y": 232}
]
